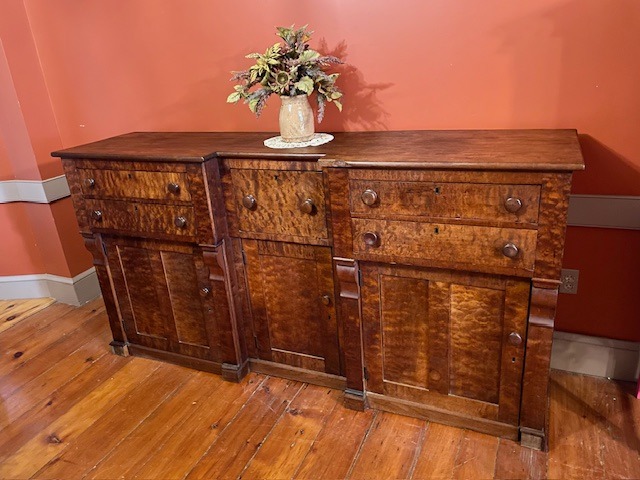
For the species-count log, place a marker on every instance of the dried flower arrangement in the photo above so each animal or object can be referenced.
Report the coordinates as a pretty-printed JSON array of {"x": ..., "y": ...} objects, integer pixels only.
[{"x": 291, "y": 69}]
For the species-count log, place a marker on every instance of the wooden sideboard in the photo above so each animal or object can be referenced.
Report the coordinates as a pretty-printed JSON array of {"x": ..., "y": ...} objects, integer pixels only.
[{"x": 417, "y": 271}]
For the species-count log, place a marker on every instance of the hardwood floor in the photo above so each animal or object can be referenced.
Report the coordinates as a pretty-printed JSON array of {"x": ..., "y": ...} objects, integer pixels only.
[{"x": 70, "y": 409}]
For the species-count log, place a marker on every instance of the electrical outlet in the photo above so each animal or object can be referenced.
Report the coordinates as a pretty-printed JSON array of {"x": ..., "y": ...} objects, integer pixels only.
[{"x": 569, "y": 279}]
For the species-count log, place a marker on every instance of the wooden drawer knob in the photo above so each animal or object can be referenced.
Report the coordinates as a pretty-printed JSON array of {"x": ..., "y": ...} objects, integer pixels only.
[
  {"x": 371, "y": 239},
  {"x": 180, "y": 222},
  {"x": 326, "y": 300},
  {"x": 308, "y": 206},
  {"x": 510, "y": 250},
  {"x": 249, "y": 202},
  {"x": 97, "y": 215},
  {"x": 369, "y": 197},
  {"x": 512, "y": 204},
  {"x": 89, "y": 182},
  {"x": 515, "y": 338},
  {"x": 173, "y": 187}
]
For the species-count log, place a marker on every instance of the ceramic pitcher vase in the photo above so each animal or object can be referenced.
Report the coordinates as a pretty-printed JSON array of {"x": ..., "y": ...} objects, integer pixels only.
[{"x": 296, "y": 119}]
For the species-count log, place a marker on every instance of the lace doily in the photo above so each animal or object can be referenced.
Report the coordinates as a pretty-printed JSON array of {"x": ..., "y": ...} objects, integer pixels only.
[{"x": 318, "y": 139}]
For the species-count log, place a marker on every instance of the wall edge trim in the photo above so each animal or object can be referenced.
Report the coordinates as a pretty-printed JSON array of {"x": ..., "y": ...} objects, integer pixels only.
[
  {"x": 34, "y": 191},
  {"x": 76, "y": 290},
  {"x": 597, "y": 356},
  {"x": 604, "y": 211}
]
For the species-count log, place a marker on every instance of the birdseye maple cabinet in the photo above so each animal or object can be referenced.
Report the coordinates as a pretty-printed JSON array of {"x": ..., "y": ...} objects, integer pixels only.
[{"x": 417, "y": 271}]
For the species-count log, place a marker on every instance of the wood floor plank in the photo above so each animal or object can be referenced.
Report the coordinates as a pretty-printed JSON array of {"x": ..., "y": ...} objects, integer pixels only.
[
  {"x": 53, "y": 406},
  {"x": 291, "y": 439},
  {"x": 13, "y": 311},
  {"x": 390, "y": 448},
  {"x": 194, "y": 437},
  {"x": 574, "y": 452},
  {"x": 35, "y": 363},
  {"x": 38, "y": 321},
  {"x": 92, "y": 445},
  {"x": 141, "y": 444},
  {"x": 332, "y": 454},
  {"x": 439, "y": 451},
  {"x": 519, "y": 463},
  {"x": 17, "y": 355},
  {"x": 32, "y": 392},
  {"x": 47, "y": 445},
  {"x": 477, "y": 456},
  {"x": 237, "y": 444}
]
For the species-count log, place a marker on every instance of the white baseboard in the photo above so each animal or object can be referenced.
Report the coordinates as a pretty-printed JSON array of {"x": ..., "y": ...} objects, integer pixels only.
[
  {"x": 36, "y": 191},
  {"x": 74, "y": 291},
  {"x": 601, "y": 357}
]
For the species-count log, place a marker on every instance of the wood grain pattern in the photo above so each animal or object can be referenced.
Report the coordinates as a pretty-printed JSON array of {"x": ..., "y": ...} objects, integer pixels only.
[
  {"x": 12, "y": 312},
  {"x": 466, "y": 247},
  {"x": 446, "y": 200}
]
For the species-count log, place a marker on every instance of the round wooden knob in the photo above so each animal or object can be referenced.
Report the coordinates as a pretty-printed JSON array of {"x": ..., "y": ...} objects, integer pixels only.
[
  {"x": 369, "y": 197},
  {"x": 515, "y": 338},
  {"x": 97, "y": 215},
  {"x": 510, "y": 250},
  {"x": 326, "y": 300},
  {"x": 512, "y": 204},
  {"x": 307, "y": 206},
  {"x": 180, "y": 222},
  {"x": 371, "y": 239},
  {"x": 173, "y": 187},
  {"x": 249, "y": 202},
  {"x": 89, "y": 182}
]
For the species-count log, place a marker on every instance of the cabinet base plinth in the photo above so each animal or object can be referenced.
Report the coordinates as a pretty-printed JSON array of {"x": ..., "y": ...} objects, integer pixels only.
[
  {"x": 119, "y": 348},
  {"x": 355, "y": 400},
  {"x": 532, "y": 438},
  {"x": 234, "y": 373}
]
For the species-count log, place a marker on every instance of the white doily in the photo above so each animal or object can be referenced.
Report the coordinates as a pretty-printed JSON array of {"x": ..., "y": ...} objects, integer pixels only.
[{"x": 318, "y": 139}]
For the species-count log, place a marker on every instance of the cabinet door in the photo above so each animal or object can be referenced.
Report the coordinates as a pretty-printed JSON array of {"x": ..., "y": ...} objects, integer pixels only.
[
  {"x": 159, "y": 288},
  {"x": 293, "y": 305},
  {"x": 453, "y": 341}
]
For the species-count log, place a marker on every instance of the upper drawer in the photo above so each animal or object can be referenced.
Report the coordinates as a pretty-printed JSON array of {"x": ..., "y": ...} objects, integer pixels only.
[
  {"x": 148, "y": 185},
  {"x": 444, "y": 244},
  {"x": 470, "y": 201},
  {"x": 272, "y": 203},
  {"x": 142, "y": 219}
]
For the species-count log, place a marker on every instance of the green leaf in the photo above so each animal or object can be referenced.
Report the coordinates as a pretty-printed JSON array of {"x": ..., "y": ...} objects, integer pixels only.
[
  {"x": 305, "y": 84},
  {"x": 335, "y": 95},
  {"x": 253, "y": 103},
  {"x": 234, "y": 97},
  {"x": 308, "y": 55},
  {"x": 338, "y": 104},
  {"x": 252, "y": 55}
]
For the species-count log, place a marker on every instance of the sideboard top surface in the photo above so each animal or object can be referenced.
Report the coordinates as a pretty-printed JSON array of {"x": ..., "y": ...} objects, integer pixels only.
[{"x": 554, "y": 150}]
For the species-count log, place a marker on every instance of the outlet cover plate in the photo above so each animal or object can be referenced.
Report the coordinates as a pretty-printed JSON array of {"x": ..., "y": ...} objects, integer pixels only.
[{"x": 569, "y": 280}]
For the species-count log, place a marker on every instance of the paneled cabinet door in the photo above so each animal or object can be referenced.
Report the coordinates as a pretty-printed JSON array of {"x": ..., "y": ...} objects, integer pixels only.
[
  {"x": 293, "y": 304},
  {"x": 448, "y": 340},
  {"x": 165, "y": 297}
]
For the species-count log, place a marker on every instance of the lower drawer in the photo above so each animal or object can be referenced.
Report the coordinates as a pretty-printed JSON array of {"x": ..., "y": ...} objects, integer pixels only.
[
  {"x": 443, "y": 243},
  {"x": 141, "y": 219}
]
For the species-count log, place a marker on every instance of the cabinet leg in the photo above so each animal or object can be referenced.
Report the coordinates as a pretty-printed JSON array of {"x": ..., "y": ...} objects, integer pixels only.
[
  {"x": 355, "y": 399},
  {"x": 119, "y": 348},
  {"x": 234, "y": 373},
  {"x": 531, "y": 438}
]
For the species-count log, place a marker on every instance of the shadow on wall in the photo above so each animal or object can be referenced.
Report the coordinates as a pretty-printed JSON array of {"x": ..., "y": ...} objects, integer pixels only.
[{"x": 362, "y": 110}]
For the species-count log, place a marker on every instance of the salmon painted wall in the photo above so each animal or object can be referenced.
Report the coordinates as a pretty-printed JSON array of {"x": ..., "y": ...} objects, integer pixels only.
[{"x": 124, "y": 65}]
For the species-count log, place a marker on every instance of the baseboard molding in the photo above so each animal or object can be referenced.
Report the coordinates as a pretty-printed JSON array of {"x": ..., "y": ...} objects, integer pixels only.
[
  {"x": 604, "y": 211},
  {"x": 600, "y": 357},
  {"x": 74, "y": 291},
  {"x": 34, "y": 191}
]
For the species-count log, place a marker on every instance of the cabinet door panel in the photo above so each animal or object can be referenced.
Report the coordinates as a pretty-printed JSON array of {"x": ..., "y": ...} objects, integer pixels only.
[
  {"x": 157, "y": 286},
  {"x": 292, "y": 300},
  {"x": 441, "y": 338}
]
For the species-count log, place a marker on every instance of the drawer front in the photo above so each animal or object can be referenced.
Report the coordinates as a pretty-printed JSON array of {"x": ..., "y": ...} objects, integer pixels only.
[
  {"x": 279, "y": 203},
  {"x": 149, "y": 185},
  {"x": 143, "y": 219},
  {"x": 445, "y": 243},
  {"x": 471, "y": 201}
]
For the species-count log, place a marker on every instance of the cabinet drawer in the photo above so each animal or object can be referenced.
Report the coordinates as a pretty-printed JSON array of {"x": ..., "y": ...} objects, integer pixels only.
[
  {"x": 279, "y": 202},
  {"x": 148, "y": 185},
  {"x": 442, "y": 243},
  {"x": 143, "y": 219},
  {"x": 477, "y": 201}
]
